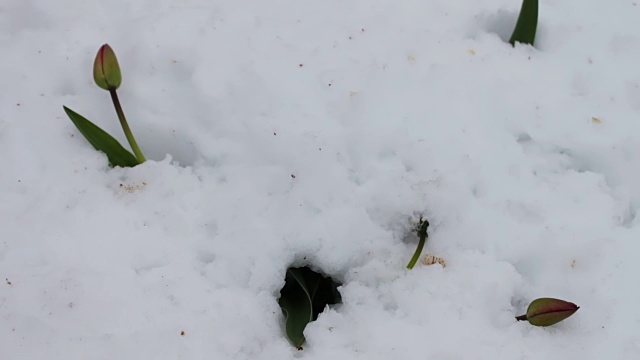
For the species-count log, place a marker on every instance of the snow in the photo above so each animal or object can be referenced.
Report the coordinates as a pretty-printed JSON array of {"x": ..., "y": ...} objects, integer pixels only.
[{"x": 315, "y": 133}]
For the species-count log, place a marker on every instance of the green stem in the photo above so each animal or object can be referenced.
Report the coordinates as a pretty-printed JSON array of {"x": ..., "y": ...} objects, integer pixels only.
[
  {"x": 422, "y": 233},
  {"x": 416, "y": 255},
  {"x": 125, "y": 127}
]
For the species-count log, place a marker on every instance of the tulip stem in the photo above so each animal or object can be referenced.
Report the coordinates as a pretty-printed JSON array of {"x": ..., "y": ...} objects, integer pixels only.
[
  {"x": 522, "y": 318},
  {"x": 125, "y": 127},
  {"x": 421, "y": 230}
]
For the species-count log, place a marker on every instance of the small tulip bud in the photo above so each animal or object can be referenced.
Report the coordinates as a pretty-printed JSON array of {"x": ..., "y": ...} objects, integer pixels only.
[
  {"x": 106, "y": 71},
  {"x": 548, "y": 311}
]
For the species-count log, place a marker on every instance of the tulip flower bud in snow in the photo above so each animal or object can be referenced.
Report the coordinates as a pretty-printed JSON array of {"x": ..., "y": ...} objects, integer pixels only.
[
  {"x": 548, "y": 311},
  {"x": 106, "y": 71}
]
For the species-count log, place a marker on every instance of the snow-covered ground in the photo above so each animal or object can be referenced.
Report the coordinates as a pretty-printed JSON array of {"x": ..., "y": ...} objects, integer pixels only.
[{"x": 315, "y": 133}]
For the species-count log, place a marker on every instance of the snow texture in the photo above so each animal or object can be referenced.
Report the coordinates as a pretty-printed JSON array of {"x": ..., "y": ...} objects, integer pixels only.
[{"x": 315, "y": 133}]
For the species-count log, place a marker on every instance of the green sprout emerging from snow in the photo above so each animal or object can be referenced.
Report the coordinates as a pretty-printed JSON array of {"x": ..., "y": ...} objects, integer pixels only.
[
  {"x": 107, "y": 75},
  {"x": 421, "y": 231},
  {"x": 525, "y": 31}
]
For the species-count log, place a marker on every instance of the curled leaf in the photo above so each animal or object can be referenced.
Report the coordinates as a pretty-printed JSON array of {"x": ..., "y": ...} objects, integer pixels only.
[{"x": 304, "y": 296}]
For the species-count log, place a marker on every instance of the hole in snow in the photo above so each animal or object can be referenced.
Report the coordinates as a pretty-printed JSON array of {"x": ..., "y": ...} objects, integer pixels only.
[
  {"x": 158, "y": 143},
  {"x": 305, "y": 294},
  {"x": 502, "y": 24}
]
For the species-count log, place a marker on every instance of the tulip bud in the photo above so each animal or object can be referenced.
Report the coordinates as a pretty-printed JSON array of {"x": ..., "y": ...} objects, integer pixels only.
[
  {"x": 106, "y": 71},
  {"x": 548, "y": 311}
]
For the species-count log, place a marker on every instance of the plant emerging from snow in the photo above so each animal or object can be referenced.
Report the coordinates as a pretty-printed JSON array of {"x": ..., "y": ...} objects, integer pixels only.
[
  {"x": 421, "y": 231},
  {"x": 107, "y": 75},
  {"x": 525, "y": 31},
  {"x": 304, "y": 296}
]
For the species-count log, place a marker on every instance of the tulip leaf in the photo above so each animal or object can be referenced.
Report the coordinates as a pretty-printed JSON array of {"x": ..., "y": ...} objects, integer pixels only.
[
  {"x": 102, "y": 141},
  {"x": 304, "y": 296},
  {"x": 525, "y": 31}
]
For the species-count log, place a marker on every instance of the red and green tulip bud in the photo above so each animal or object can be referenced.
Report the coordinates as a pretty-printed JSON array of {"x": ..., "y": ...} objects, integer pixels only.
[
  {"x": 548, "y": 311},
  {"x": 106, "y": 71}
]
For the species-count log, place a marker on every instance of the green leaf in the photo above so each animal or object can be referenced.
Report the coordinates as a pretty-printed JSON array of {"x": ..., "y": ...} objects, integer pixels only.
[
  {"x": 102, "y": 141},
  {"x": 525, "y": 31},
  {"x": 304, "y": 296},
  {"x": 296, "y": 306}
]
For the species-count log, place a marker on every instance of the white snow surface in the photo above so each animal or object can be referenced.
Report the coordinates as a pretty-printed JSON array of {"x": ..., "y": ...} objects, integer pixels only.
[{"x": 315, "y": 133}]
